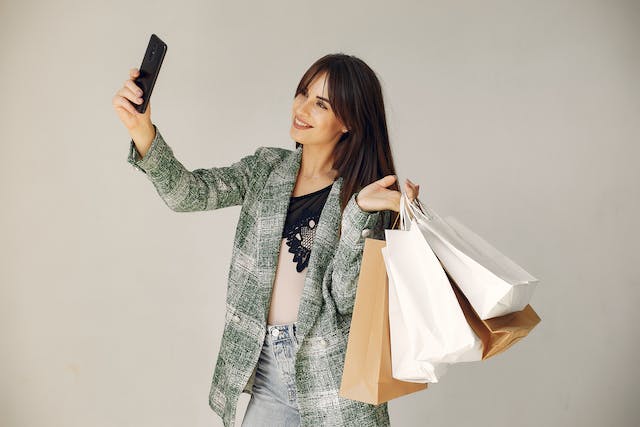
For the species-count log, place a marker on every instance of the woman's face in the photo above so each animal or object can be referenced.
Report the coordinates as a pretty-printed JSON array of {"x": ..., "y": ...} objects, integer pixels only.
[{"x": 313, "y": 109}]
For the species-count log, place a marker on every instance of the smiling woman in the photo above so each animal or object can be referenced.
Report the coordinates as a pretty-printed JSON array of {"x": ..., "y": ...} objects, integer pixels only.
[
  {"x": 338, "y": 113},
  {"x": 312, "y": 112},
  {"x": 298, "y": 245}
]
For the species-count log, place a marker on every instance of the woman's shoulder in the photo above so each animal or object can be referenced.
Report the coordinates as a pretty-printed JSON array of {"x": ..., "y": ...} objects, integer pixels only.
[
  {"x": 272, "y": 155},
  {"x": 277, "y": 151},
  {"x": 274, "y": 151}
]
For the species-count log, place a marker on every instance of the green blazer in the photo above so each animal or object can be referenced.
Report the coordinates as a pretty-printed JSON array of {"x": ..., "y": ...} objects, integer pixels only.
[{"x": 262, "y": 183}]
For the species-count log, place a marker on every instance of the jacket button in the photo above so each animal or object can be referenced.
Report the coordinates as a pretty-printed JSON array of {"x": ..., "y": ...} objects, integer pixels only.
[
  {"x": 322, "y": 342},
  {"x": 275, "y": 332},
  {"x": 366, "y": 232}
]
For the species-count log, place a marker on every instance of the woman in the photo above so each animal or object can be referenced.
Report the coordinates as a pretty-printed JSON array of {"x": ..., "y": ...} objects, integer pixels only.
[{"x": 298, "y": 244}]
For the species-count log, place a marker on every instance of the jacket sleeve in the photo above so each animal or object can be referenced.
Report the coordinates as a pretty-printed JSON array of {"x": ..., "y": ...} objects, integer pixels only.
[
  {"x": 356, "y": 226},
  {"x": 197, "y": 190}
]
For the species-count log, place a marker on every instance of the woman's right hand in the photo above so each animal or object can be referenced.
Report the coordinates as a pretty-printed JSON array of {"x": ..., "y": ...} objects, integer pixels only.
[
  {"x": 139, "y": 125},
  {"x": 376, "y": 196}
]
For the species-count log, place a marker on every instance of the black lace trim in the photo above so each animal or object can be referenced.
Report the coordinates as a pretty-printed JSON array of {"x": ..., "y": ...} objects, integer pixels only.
[
  {"x": 301, "y": 224},
  {"x": 300, "y": 239}
]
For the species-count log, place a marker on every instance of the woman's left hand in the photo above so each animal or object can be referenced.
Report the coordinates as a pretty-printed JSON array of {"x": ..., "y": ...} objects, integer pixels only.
[{"x": 377, "y": 197}]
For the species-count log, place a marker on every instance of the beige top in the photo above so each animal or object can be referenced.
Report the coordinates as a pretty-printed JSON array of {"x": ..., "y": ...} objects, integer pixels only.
[
  {"x": 295, "y": 251},
  {"x": 287, "y": 289}
]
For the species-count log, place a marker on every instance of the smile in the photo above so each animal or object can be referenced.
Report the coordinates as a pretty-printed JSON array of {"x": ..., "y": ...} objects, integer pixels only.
[{"x": 298, "y": 124}]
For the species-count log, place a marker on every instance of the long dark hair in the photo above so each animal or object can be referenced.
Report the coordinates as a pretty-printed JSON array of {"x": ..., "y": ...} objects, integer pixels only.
[{"x": 363, "y": 154}]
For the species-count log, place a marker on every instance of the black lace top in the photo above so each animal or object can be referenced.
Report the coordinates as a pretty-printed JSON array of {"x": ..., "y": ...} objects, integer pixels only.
[{"x": 301, "y": 222}]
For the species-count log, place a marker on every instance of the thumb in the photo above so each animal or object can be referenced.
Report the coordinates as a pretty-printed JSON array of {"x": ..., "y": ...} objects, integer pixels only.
[{"x": 387, "y": 180}]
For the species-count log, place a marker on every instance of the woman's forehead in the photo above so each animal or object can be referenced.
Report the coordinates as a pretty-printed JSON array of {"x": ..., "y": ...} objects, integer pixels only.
[{"x": 320, "y": 84}]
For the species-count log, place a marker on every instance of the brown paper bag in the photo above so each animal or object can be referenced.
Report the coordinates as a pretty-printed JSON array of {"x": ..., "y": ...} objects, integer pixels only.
[
  {"x": 498, "y": 333},
  {"x": 367, "y": 365}
]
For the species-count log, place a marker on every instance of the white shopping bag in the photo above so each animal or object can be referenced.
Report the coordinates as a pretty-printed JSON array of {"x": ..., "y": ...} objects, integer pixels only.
[
  {"x": 425, "y": 307},
  {"x": 403, "y": 365},
  {"x": 493, "y": 284}
]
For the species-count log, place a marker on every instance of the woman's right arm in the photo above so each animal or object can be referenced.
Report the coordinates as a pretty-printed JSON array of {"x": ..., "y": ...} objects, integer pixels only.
[
  {"x": 198, "y": 190},
  {"x": 182, "y": 190}
]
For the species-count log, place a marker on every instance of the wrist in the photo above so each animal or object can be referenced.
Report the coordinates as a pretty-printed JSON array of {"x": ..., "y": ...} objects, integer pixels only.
[
  {"x": 358, "y": 203},
  {"x": 360, "y": 206},
  {"x": 357, "y": 223},
  {"x": 143, "y": 137}
]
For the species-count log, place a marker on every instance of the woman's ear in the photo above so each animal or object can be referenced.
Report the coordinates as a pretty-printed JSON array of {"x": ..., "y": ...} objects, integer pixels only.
[{"x": 344, "y": 127}]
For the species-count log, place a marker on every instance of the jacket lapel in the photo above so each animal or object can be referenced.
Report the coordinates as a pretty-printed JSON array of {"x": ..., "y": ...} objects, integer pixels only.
[
  {"x": 272, "y": 212},
  {"x": 324, "y": 243}
]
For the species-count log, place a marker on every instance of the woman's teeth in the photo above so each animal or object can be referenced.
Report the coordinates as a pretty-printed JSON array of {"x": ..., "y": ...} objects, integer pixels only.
[{"x": 300, "y": 124}]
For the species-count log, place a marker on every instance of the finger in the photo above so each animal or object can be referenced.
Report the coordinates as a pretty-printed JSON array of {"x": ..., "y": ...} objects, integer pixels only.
[
  {"x": 134, "y": 72},
  {"x": 411, "y": 193},
  {"x": 414, "y": 187},
  {"x": 411, "y": 183},
  {"x": 124, "y": 103},
  {"x": 128, "y": 93},
  {"x": 121, "y": 102},
  {"x": 134, "y": 87}
]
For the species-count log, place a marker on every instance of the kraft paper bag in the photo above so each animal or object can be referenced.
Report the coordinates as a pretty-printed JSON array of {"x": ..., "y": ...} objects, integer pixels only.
[
  {"x": 498, "y": 333},
  {"x": 367, "y": 375}
]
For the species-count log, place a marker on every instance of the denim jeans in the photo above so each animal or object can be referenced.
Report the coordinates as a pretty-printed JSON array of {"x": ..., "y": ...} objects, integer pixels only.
[{"x": 274, "y": 402}]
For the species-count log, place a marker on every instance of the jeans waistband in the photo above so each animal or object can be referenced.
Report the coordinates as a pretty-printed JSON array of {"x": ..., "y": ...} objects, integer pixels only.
[{"x": 281, "y": 331}]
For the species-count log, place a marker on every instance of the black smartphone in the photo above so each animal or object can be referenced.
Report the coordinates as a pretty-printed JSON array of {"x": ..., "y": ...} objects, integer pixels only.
[{"x": 149, "y": 70}]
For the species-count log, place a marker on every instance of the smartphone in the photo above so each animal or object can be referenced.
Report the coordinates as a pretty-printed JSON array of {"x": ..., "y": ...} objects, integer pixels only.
[{"x": 149, "y": 70}]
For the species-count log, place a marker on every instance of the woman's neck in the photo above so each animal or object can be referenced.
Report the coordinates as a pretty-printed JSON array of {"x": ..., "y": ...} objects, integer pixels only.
[{"x": 317, "y": 163}]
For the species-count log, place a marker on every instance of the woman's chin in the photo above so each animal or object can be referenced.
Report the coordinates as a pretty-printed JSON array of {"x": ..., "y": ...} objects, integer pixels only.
[{"x": 295, "y": 136}]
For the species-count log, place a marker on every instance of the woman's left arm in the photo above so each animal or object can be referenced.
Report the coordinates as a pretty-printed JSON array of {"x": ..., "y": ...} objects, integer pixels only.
[
  {"x": 356, "y": 226},
  {"x": 367, "y": 214}
]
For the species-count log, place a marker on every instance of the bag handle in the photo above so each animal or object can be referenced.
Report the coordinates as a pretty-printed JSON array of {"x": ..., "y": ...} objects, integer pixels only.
[
  {"x": 395, "y": 222},
  {"x": 406, "y": 212},
  {"x": 401, "y": 216},
  {"x": 420, "y": 210},
  {"x": 411, "y": 209}
]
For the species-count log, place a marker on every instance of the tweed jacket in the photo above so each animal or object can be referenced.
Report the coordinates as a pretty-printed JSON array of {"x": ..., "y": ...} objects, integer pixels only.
[{"x": 262, "y": 184}]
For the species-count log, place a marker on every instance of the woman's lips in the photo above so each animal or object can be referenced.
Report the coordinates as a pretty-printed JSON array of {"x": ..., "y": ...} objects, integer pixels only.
[{"x": 300, "y": 126}]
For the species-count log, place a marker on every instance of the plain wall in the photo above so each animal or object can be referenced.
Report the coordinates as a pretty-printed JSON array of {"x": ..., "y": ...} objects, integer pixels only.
[{"x": 519, "y": 118}]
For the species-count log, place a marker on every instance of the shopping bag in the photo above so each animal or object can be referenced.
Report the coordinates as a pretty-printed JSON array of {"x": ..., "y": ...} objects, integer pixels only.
[
  {"x": 498, "y": 333},
  {"x": 436, "y": 328},
  {"x": 367, "y": 376},
  {"x": 493, "y": 284},
  {"x": 403, "y": 365}
]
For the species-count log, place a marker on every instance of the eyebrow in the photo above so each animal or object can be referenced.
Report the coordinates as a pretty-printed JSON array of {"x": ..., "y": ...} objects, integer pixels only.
[{"x": 319, "y": 97}]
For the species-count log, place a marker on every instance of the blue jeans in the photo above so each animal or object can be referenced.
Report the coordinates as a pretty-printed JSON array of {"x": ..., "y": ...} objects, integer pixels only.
[{"x": 274, "y": 402}]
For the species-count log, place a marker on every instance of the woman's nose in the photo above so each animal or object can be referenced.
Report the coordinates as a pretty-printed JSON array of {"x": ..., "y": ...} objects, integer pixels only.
[{"x": 304, "y": 107}]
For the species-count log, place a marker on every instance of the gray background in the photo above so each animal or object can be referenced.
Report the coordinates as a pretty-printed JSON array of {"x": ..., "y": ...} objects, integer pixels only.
[{"x": 519, "y": 118}]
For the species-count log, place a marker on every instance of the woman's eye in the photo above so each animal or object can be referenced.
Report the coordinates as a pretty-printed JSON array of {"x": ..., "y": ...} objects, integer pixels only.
[{"x": 321, "y": 105}]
